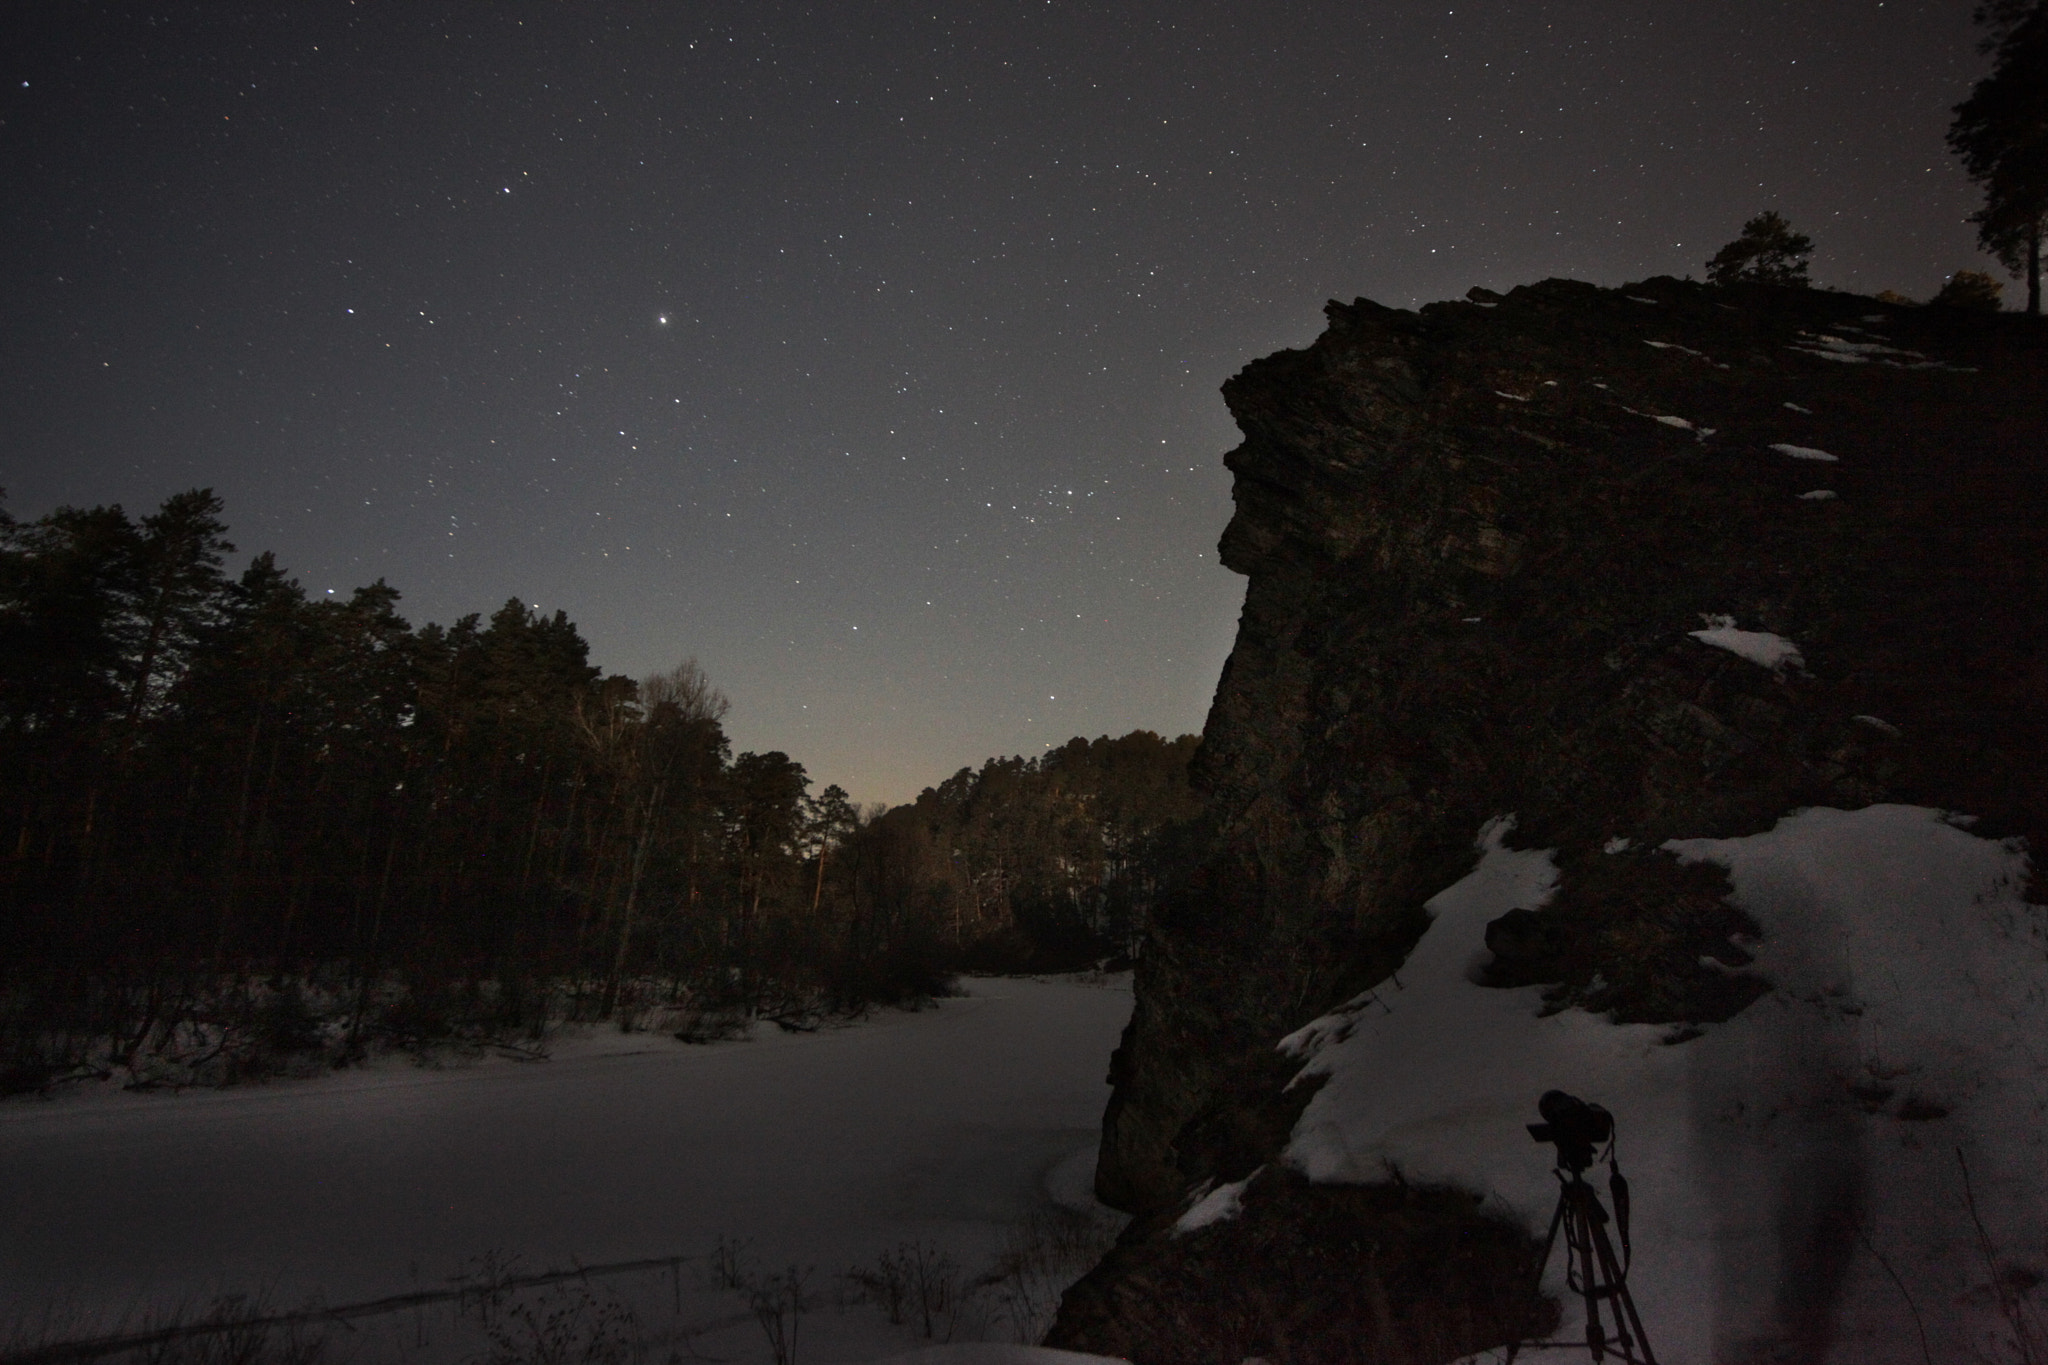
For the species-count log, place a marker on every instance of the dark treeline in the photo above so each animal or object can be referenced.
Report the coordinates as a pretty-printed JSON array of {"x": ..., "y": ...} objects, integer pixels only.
[
  {"x": 1046, "y": 861},
  {"x": 241, "y": 823}
]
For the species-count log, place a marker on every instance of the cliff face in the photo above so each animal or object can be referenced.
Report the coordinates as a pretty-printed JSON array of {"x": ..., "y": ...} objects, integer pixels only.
[{"x": 1530, "y": 554}]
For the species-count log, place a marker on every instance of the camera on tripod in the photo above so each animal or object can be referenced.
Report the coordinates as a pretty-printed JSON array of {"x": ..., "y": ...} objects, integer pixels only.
[
  {"x": 1578, "y": 1128},
  {"x": 1591, "y": 1269}
]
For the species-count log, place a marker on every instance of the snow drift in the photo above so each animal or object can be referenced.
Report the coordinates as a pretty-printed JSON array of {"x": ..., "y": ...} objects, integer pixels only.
[{"x": 1851, "y": 1169}]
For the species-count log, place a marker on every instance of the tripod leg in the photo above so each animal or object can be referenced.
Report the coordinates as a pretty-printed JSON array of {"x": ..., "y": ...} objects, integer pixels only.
[
  {"x": 1613, "y": 1287},
  {"x": 1579, "y": 1231},
  {"x": 1550, "y": 1241},
  {"x": 1625, "y": 1306},
  {"x": 1536, "y": 1290}
]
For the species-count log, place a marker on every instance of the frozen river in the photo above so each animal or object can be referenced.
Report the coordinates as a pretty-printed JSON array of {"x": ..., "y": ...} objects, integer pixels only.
[{"x": 948, "y": 1126}]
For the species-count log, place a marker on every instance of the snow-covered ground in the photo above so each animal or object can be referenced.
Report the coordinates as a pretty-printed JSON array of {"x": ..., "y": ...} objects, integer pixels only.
[
  {"x": 1799, "y": 1172},
  {"x": 948, "y": 1127}
]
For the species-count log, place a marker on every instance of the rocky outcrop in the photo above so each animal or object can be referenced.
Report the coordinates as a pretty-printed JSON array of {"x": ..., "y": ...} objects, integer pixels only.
[{"x": 1526, "y": 554}]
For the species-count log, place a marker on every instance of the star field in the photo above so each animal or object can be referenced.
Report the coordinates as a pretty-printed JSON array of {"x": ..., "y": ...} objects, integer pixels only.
[{"x": 866, "y": 352}]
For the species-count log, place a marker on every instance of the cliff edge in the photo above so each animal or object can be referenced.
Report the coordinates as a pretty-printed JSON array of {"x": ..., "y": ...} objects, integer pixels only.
[{"x": 1615, "y": 580}]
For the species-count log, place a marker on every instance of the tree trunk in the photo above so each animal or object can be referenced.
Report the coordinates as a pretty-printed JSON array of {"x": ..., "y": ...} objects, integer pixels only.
[
  {"x": 237, "y": 841},
  {"x": 540, "y": 806},
  {"x": 2034, "y": 272},
  {"x": 85, "y": 841},
  {"x": 597, "y": 870},
  {"x": 632, "y": 898},
  {"x": 298, "y": 884},
  {"x": 351, "y": 1048},
  {"x": 550, "y": 920}
]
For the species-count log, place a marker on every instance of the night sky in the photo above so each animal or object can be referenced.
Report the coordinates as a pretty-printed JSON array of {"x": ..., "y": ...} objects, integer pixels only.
[{"x": 867, "y": 352}]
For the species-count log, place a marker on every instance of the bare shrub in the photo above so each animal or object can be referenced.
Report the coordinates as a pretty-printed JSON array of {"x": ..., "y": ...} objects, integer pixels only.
[
  {"x": 777, "y": 1299},
  {"x": 915, "y": 1284},
  {"x": 234, "y": 1329},
  {"x": 712, "y": 1026},
  {"x": 1041, "y": 1256},
  {"x": 561, "y": 1325}
]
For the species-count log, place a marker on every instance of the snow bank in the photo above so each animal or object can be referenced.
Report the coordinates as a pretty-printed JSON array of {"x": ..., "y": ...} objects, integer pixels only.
[{"x": 1794, "y": 1187}]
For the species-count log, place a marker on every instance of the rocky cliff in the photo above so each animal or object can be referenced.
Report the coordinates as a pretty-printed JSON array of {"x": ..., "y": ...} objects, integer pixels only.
[{"x": 1667, "y": 562}]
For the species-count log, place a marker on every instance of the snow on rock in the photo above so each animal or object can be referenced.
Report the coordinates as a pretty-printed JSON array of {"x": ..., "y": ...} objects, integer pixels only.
[
  {"x": 1680, "y": 423},
  {"x": 1828, "y": 346},
  {"x": 1777, "y": 1157},
  {"x": 1427, "y": 1076},
  {"x": 1832, "y": 347},
  {"x": 1760, "y": 647},
  {"x": 1223, "y": 1202},
  {"x": 1804, "y": 453}
]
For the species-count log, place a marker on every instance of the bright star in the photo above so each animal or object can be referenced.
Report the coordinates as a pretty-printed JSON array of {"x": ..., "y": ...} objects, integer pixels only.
[{"x": 663, "y": 319}]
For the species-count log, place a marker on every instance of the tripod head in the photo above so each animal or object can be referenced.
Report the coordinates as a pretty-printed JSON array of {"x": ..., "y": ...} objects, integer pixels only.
[{"x": 1577, "y": 1128}]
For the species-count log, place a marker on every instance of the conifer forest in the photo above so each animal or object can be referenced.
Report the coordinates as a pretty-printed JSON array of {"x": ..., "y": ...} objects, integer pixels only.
[{"x": 249, "y": 829}]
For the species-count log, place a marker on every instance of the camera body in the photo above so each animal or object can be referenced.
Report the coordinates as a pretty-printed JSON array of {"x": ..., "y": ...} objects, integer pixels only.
[{"x": 1576, "y": 1127}]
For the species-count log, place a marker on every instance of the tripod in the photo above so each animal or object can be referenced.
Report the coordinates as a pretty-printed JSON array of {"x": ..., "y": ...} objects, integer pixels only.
[{"x": 1592, "y": 1271}]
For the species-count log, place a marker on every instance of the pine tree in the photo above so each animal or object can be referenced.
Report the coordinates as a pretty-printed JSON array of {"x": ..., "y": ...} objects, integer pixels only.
[
  {"x": 2001, "y": 134},
  {"x": 829, "y": 820},
  {"x": 1971, "y": 290},
  {"x": 764, "y": 819},
  {"x": 1767, "y": 252},
  {"x": 66, "y": 581},
  {"x": 179, "y": 591}
]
